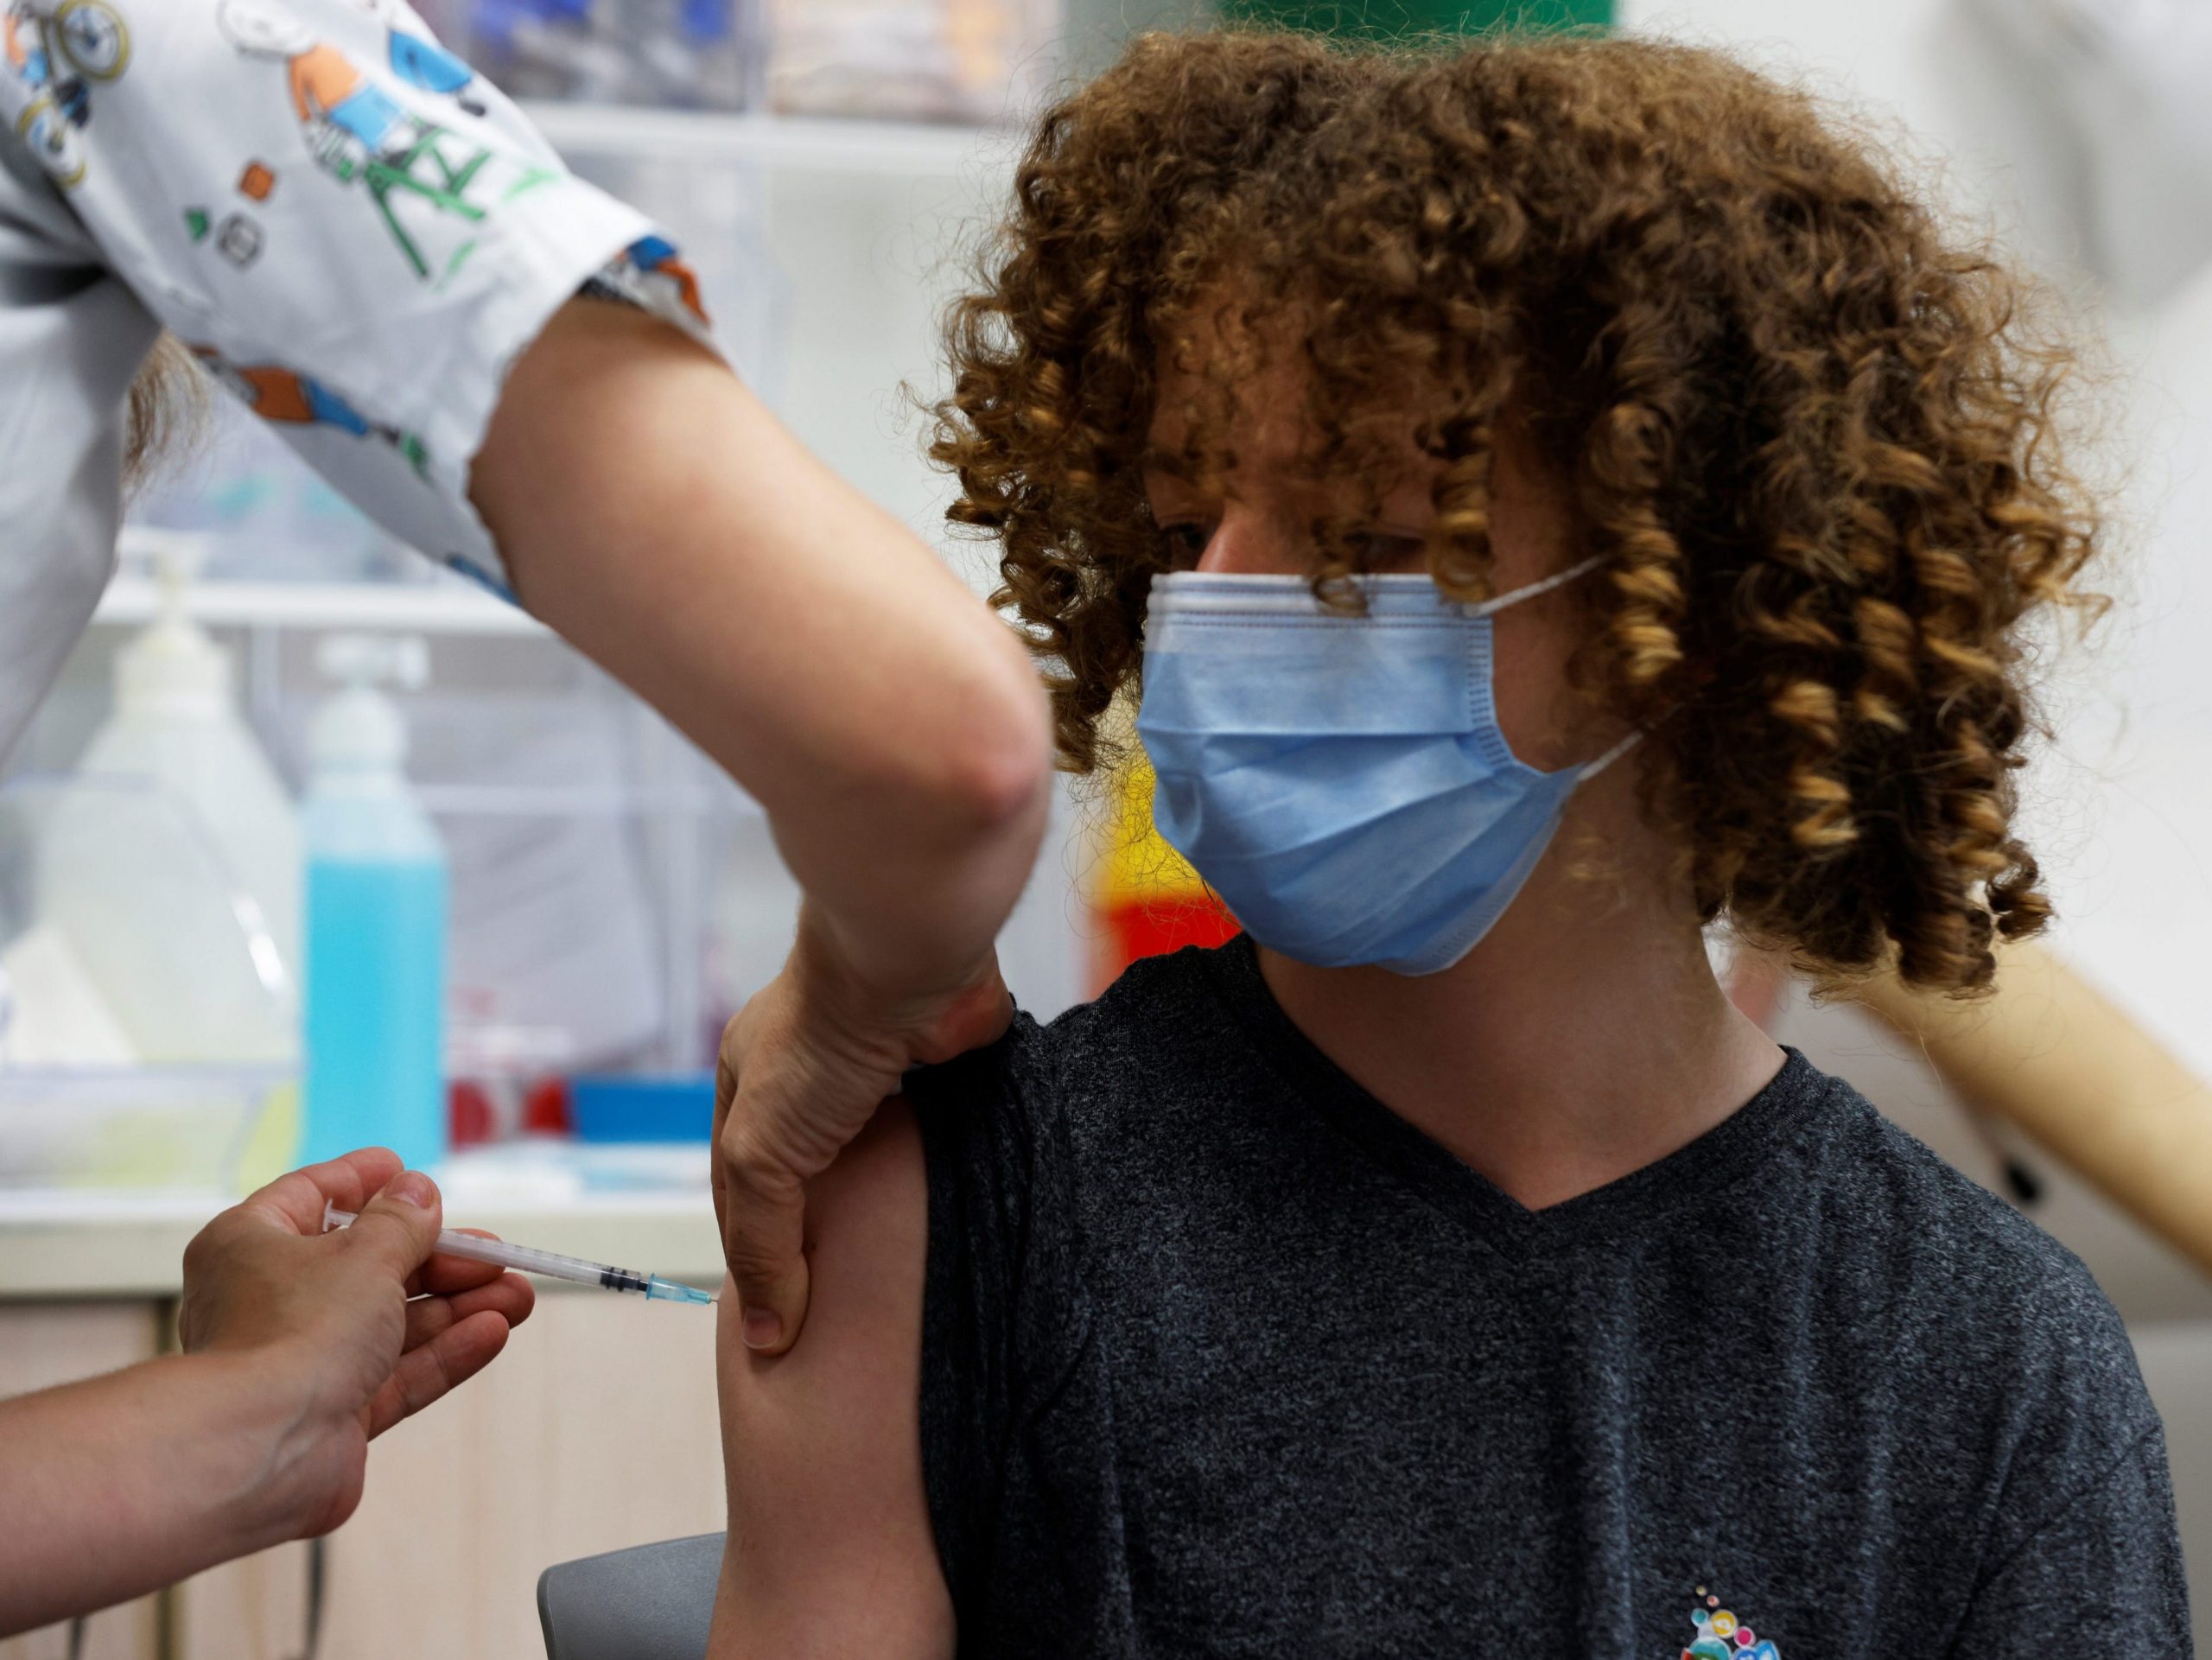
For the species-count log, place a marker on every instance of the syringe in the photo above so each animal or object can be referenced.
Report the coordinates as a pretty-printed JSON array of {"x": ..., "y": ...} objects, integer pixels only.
[{"x": 551, "y": 1264}]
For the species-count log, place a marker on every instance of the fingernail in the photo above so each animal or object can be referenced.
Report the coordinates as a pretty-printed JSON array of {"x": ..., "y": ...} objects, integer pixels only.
[
  {"x": 762, "y": 1328},
  {"x": 412, "y": 1187}
]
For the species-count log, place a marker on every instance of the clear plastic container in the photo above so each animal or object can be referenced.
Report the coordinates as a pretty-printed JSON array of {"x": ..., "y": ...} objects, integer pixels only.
[
  {"x": 145, "y": 1127},
  {"x": 146, "y": 1021},
  {"x": 177, "y": 720},
  {"x": 152, "y": 929}
]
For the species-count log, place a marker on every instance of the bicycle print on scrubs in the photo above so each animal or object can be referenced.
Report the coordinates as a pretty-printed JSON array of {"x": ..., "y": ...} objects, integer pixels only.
[
  {"x": 422, "y": 62},
  {"x": 58, "y": 53},
  {"x": 432, "y": 184}
]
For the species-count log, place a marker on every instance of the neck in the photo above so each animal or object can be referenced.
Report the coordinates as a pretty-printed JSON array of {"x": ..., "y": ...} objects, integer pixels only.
[{"x": 1584, "y": 1037}]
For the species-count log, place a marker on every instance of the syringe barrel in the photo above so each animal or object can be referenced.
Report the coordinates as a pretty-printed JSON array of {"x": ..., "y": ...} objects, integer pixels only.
[{"x": 529, "y": 1259}]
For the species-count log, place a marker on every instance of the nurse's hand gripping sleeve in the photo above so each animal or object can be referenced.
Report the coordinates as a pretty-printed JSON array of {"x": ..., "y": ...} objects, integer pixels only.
[{"x": 354, "y": 232}]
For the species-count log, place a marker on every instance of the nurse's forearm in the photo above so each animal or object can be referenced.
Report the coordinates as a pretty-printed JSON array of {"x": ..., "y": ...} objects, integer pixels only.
[
  {"x": 118, "y": 1486},
  {"x": 654, "y": 512}
]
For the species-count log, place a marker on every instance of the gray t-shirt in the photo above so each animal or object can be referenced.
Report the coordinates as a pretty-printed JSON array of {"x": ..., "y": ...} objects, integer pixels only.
[{"x": 1221, "y": 1356}]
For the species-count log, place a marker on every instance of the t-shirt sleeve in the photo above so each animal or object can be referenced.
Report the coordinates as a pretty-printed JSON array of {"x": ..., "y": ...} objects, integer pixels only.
[
  {"x": 2101, "y": 1575},
  {"x": 2084, "y": 1552},
  {"x": 1002, "y": 1318},
  {"x": 351, "y": 230}
]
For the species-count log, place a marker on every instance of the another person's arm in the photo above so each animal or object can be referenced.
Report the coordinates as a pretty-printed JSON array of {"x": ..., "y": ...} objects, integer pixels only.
[
  {"x": 2049, "y": 1053},
  {"x": 300, "y": 1348},
  {"x": 652, "y": 510}
]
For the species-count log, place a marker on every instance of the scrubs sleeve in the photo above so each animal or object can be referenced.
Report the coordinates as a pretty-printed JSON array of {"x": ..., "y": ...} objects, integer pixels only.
[{"x": 355, "y": 234}]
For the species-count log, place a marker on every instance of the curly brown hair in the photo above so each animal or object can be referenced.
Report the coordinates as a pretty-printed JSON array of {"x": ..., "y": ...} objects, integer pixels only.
[{"x": 1808, "y": 425}]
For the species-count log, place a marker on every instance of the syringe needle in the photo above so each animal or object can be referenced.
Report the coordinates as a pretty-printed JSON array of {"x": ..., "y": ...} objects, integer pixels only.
[{"x": 672, "y": 1291}]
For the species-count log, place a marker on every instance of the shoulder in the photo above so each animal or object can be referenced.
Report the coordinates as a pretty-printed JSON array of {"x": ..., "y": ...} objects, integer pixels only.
[
  {"x": 1951, "y": 1234},
  {"x": 2002, "y": 1325},
  {"x": 1088, "y": 1074},
  {"x": 1162, "y": 1015},
  {"x": 943, "y": 1250}
]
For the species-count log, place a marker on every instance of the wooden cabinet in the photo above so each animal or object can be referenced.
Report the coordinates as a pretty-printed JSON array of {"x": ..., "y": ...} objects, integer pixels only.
[
  {"x": 42, "y": 1344},
  {"x": 595, "y": 1429}
]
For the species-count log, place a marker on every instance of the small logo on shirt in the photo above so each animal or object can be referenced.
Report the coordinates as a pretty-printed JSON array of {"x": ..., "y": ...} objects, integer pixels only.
[{"x": 1721, "y": 1635}]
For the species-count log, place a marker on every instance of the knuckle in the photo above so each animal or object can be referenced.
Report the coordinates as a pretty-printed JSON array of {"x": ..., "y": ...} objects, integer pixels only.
[
  {"x": 750, "y": 1161},
  {"x": 760, "y": 1281}
]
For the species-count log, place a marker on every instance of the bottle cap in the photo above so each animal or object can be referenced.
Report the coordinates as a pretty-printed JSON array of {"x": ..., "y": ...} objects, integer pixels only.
[
  {"x": 359, "y": 728},
  {"x": 174, "y": 667}
]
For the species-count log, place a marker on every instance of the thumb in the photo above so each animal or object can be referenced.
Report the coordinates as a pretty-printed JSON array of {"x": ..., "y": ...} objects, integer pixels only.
[
  {"x": 764, "y": 1231},
  {"x": 397, "y": 1229}
]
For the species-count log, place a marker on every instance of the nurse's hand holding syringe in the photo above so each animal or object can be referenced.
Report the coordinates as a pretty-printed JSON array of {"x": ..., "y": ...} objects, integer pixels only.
[
  {"x": 298, "y": 1347},
  {"x": 550, "y": 1264}
]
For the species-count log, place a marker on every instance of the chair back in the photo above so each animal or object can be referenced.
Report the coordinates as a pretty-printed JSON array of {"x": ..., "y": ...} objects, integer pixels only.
[{"x": 651, "y": 1602}]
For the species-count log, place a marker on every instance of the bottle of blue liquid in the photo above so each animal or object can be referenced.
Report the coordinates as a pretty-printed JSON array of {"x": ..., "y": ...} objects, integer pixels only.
[{"x": 374, "y": 917}]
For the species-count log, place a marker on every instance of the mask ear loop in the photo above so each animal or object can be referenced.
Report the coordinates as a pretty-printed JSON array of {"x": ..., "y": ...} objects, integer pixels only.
[
  {"x": 1560, "y": 579},
  {"x": 1610, "y": 756},
  {"x": 1557, "y": 579}
]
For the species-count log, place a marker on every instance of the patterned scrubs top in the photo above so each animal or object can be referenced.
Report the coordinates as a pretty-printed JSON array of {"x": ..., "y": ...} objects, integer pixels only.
[{"x": 349, "y": 228}]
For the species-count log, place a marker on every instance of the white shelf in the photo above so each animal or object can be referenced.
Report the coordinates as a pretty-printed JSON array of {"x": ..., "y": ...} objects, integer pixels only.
[
  {"x": 133, "y": 600},
  {"x": 822, "y": 143},
  {"x": 444, "y": 607}
]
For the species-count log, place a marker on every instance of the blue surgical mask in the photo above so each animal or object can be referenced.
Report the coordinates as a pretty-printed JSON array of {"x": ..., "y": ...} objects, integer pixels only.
[{"x": 1340, "y": 780}]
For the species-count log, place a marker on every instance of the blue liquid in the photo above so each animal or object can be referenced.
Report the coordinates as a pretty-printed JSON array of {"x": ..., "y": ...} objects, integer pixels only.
[{"x": 376, "y": 974}]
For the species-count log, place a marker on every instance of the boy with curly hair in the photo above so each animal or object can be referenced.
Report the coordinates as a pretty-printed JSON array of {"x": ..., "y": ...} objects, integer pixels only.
[{"x": 1541, "y": 497}]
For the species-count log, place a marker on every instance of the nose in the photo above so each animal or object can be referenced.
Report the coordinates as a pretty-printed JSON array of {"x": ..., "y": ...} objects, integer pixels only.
[{"x": 1247, "y": 543}]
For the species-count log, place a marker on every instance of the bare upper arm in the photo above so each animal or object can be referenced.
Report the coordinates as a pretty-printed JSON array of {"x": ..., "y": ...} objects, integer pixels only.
[{"x": 831, "y": 1552}]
